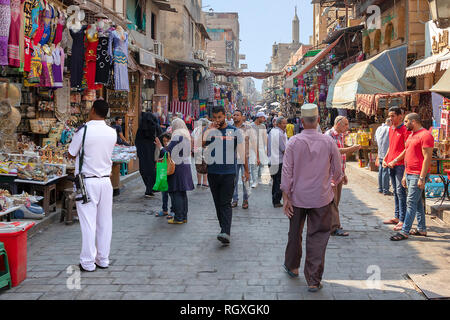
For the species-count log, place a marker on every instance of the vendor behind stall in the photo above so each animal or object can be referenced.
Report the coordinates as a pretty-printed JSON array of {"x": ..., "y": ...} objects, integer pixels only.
[{"x": 118, "y": 127}]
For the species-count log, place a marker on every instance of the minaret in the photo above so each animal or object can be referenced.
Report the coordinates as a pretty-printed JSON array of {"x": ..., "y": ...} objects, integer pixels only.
[{"x": 296, "y": 28}]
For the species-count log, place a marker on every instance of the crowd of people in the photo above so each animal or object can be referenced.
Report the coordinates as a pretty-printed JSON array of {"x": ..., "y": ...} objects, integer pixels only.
[{"x": 307, "y": 169}]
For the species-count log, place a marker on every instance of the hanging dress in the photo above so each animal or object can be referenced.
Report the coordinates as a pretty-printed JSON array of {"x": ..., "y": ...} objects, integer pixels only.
[
  {"x": 56, "y": 68},
  {"x": 5, "y": 21},
  {"x": 34, "y": 76},
  {"x": 118, "y": 49},
  {"x": 91, "y": 44},
  {"x": 77, "y": 58},
  {"x": 14, "y": 35},
  {"x": 47, "y": 27},
  {"x": 59, "y": 29},
  {"x": 47, "y": 73},
  {"x": 103, "y": 65}
]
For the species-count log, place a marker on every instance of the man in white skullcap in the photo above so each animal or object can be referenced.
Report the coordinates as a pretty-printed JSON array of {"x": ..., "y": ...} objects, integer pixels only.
[{"x": 311, "y": 161}]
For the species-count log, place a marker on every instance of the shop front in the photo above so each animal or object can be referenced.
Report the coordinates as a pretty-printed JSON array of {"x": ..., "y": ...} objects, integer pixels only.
[{"x": 52, "y": 74}]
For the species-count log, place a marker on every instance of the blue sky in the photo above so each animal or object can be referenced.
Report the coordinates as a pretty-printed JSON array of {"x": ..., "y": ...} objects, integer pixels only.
[{"x": 262, "y": 22}]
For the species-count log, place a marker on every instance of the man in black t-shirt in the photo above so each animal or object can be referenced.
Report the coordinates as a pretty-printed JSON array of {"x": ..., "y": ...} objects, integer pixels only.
[{"x": 120, "y": 137}]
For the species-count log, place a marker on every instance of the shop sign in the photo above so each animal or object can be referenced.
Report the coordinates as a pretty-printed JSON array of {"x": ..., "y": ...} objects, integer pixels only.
[
  {"x": 244, "y": 66},
  {"x": 146, "y": 58}
]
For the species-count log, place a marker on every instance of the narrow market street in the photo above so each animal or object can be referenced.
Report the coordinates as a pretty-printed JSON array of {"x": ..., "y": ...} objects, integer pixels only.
[{"x": 151, "y": 259}]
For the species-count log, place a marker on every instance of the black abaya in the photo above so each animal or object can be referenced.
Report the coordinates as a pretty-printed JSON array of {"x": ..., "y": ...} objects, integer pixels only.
[{"x": 145, "y": 146}]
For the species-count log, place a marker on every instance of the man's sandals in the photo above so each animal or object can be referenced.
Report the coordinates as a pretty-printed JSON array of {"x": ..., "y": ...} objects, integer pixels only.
[
  {"x": 398, "y": 237},
  {"x": 416, "y": 232},
  {"x": 391, "y": 221}
]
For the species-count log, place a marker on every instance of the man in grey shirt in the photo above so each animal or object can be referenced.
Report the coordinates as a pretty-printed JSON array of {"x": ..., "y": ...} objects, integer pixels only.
[{"x": 382, "y": 139}]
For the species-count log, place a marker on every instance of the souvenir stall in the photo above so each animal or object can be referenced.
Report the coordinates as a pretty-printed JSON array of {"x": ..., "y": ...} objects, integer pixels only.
[
  {"x": 52, "y": 75},
  {"x": 372, "y": 111},
  {"x": 192, "y": 92}
]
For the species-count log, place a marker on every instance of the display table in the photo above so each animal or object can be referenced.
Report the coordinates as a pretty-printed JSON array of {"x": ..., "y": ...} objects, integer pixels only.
[
  {"x": 47, "y": 189},
  {"x": 8, "y": 212}
]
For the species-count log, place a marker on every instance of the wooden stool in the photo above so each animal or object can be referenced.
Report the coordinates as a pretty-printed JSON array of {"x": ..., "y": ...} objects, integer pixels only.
[{"x": 68, "y": 206}]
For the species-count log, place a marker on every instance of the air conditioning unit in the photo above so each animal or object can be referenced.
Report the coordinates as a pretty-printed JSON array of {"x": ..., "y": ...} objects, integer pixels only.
[
  {"x": 158, "y": 48},
  {"x": 200, "y": 55}
]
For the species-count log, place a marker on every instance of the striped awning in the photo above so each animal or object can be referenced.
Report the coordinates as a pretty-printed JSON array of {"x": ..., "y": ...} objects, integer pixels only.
[
  {"x": 425, "y": 66},
  {"x": 445, "y": 61}
]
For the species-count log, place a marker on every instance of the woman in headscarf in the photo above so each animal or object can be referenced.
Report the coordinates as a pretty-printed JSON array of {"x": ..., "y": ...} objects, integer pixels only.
[
  {"x": 148, "y": 130},
  {"x": 180, "y": 182},
  {"x": 197, "y": 136}
]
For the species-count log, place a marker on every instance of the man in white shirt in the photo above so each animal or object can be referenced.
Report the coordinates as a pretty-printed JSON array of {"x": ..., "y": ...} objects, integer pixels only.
[
  {"x": 275, "y": 150},
  {"x": 96, "y": 215},
  {"x": 261, "y": 141}
]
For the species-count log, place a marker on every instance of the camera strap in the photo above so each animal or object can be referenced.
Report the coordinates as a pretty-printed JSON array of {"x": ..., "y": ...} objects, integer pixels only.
[{"x": 81, "y": 153}]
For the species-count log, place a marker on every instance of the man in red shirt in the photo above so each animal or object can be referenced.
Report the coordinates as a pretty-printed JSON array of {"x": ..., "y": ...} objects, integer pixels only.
[
  {"x": 419, "y": 151},
  {"x": 394, "y": 161}
]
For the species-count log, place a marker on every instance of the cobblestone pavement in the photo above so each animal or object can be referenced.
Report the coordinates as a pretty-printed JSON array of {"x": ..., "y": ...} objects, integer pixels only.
[{"x": 154, "y": 260}]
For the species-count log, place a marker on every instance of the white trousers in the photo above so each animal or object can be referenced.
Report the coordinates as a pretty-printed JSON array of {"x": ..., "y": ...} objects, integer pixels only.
[{"x": 96, "y": 223}]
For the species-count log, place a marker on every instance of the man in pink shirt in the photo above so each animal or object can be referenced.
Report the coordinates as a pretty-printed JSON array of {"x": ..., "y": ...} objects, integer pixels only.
[{"x": 311, "y": 161}]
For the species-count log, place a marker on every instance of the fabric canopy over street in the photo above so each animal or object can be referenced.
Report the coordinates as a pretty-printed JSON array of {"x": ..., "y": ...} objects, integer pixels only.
[
  {"x": 289, "y": 83},
  {"x": 382, "y": 73},
  {"x": 256, "y": 75},
  {"x": 443, "y": 85},
  {"x": 428, "y": 65}
]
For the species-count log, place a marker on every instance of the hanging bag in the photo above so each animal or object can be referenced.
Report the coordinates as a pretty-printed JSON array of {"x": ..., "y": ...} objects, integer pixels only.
[
  {"x": 161, "y": 175},
  {"x": 170, "y": 165}
]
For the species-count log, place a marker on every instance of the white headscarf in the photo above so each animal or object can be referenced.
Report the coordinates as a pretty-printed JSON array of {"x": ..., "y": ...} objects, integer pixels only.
[{"x": 179, "y": 129}]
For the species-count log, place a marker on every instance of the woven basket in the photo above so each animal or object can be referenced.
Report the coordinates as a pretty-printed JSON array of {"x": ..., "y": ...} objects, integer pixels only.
[{"x": 41, "y": 125}]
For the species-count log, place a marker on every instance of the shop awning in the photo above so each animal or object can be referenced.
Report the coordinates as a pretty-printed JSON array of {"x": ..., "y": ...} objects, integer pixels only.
[
  {"x": 426, "y": 65},
  {"x": 193, "y": 64},
  {"x": 443, "y": 85},
  {"x": 290, "y": 81},
  {"x": 445, "y": 61},
  {"x": 256, "y": 75},
  {"x": 384, "y": 73}
]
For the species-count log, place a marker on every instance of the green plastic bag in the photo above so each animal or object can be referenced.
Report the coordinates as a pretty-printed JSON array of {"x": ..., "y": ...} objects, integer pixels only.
[{"x": 161, "y": 176}]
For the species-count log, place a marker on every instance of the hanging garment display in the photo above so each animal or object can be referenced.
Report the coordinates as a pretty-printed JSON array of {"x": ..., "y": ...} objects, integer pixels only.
[
  {"x": 203, "y": 89},
  {"x": 58, "y": 56},
  {"x": 211, "y": 88},
  {"x": 181, "y": 81},
  {"x": 34, "y": 76},
  {"x": 53, "y": 24},
  {"x": 91, "y": 43},
  {"x": 190, "y": 84},
  {"x": 47, "y": 69},
  {"x": 59, "y": 28},
  {"x": 5, "y": 20},
  {"x": 103, "y": 64},
  {"x": 118, "y": 50},
  {"x": 77, "y": 59},
  {"x": 28, "y": 6},
  {"x": 27, "y": 54},
  {"x": 175, "y": 88},
  {"x": 35, "y": 12},
  {"x": 14, "y": 35},
  {"x": 196, "y": 85},
  {"x": 47, "y": 28}
]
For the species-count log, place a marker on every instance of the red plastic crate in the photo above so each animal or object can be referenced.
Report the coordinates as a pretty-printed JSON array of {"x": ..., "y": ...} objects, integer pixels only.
[{"x": 16, "y": 247}]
